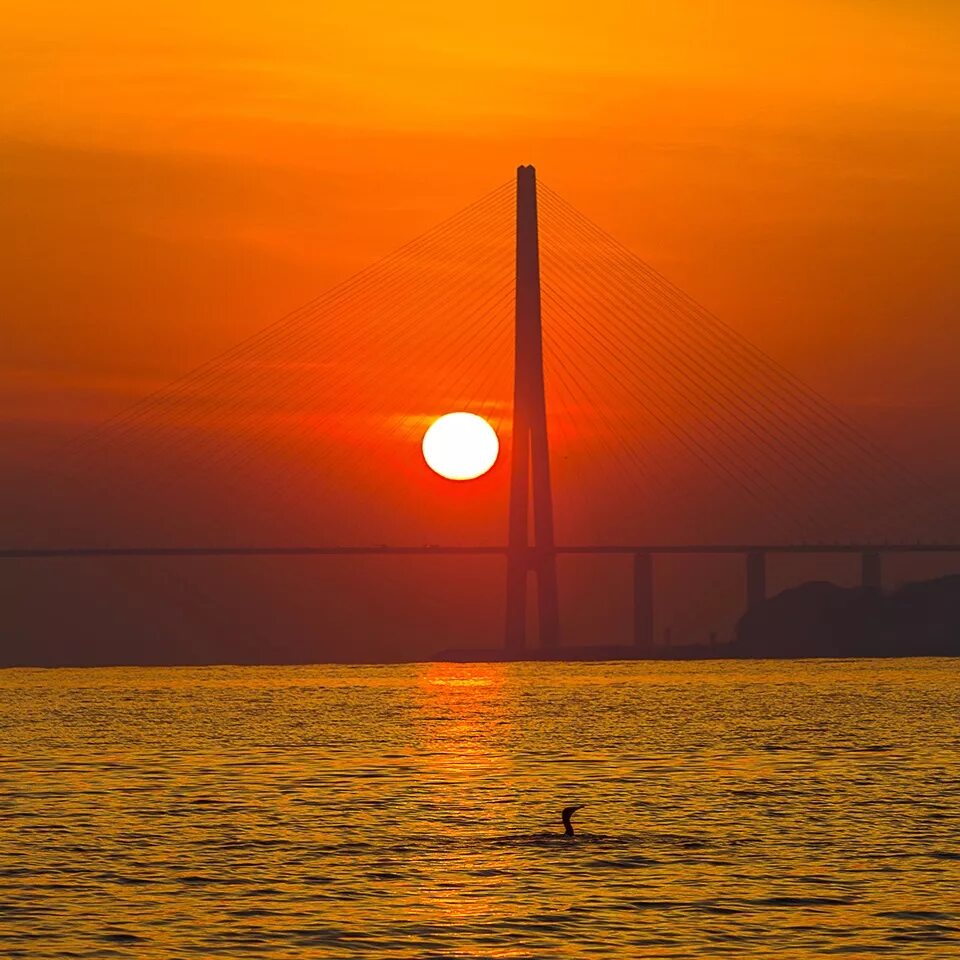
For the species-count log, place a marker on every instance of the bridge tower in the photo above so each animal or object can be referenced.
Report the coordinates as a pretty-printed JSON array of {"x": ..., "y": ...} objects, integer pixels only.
[{"x": 530, "y": 456}]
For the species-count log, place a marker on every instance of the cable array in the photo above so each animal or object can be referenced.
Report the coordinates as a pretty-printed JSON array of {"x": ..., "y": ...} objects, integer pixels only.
[
  {"x": 665, "y": 424},
  {"x": 314, "y": 423},
  {"x": 693, "y": 413}
]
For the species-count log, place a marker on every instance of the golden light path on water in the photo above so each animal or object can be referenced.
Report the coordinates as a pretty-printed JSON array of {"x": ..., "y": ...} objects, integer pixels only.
[{"x": 733, "y": 809}]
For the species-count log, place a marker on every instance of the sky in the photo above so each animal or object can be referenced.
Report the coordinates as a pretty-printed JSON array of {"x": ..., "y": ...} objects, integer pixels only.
[{"x": 177, "y": 176}]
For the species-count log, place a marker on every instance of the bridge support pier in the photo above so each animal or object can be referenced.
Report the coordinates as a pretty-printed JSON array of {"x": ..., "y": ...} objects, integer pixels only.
[
  {"x": 530, "y": 455},
  {"x": 756, "y": 578},
  {"x": 643, "y": 602},
  {"x": 871, "y": 569}
]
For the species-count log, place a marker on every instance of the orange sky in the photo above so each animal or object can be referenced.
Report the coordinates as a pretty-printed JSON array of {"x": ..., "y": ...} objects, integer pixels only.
[
  {"x": 179, "y": 174},
  {"x": 175, "y": 176}
]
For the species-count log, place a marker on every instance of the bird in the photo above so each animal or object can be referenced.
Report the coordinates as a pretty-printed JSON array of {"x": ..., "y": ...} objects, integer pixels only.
[{"x": 566, "y": 814}]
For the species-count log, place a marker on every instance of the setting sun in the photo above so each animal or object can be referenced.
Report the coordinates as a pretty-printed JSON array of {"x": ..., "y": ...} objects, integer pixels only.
[{"x": 460, "y": 446}]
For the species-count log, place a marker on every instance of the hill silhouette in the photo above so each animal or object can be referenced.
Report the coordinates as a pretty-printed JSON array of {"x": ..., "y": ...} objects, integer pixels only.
[{"x": 820, "y": 619}]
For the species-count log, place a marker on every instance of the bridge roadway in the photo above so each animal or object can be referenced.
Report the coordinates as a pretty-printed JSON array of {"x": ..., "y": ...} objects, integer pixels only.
[
  {"x": 643, "y": 555},
  {"x": 426, "y": 550}
]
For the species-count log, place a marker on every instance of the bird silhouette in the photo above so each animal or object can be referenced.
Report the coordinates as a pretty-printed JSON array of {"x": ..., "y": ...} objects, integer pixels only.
[{"x": 566, "y": 814}]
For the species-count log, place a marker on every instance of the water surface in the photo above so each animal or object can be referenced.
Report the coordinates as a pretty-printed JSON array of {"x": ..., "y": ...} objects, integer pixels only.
[{"x": 788, "y": 809}]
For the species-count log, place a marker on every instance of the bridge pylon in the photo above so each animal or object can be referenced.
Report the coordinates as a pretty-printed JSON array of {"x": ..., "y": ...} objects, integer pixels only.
[{"x": 530, "y": 455}]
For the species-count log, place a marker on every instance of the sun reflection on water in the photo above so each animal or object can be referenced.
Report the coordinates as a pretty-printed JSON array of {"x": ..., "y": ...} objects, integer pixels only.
[{"x": 330, "y": 812}]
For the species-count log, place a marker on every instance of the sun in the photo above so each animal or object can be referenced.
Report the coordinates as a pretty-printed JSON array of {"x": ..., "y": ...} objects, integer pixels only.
[{"x": 460, "y": 446}]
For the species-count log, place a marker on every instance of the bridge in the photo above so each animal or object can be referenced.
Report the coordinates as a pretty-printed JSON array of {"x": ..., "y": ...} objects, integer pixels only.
[
  {"x": 643, "y": 557},
  {"x": 725, "y": 408}
]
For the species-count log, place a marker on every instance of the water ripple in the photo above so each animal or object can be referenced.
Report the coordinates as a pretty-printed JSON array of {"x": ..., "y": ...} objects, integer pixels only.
[{"x": 749, "y": 810}]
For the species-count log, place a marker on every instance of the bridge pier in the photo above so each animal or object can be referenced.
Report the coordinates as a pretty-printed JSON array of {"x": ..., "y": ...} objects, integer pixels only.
[
  {"x": 756, "y": 578},
  {"x": 530, "y": 455},
  {"x": 871, "y": 569},
  {"x": 643, "y": 602}
]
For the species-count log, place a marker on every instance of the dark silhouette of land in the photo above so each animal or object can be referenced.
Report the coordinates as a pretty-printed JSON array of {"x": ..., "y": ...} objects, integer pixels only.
[
  {"x": 815, "y": 619},
  {"x": 820, "y": 619}
]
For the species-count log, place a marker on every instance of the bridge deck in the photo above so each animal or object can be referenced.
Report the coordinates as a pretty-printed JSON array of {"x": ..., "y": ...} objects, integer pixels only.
[{"x": 427, "y": 550}]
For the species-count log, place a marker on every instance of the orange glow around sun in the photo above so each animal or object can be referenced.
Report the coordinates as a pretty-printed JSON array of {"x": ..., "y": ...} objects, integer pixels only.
[{"x": 460, "y": 446}]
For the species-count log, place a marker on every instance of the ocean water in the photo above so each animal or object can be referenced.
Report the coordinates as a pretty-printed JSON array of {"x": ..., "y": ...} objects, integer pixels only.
[{"x": 766, "y": 809}]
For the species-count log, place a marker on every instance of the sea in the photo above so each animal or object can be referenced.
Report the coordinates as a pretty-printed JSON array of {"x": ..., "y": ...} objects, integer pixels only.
[{"x": 791, "y": 809}]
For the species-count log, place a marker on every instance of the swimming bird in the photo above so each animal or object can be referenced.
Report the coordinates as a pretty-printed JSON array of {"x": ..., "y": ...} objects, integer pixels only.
[{"x": 566, "y": 814}]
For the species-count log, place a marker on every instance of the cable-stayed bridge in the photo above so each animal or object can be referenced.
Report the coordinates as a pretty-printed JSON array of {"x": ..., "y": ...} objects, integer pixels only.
[{"x": 632, "y": 421}]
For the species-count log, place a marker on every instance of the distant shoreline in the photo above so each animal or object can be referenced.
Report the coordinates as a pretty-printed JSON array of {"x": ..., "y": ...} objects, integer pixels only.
[
  {"x": 817, "y": 620},
  {"x": 569, "y": 655},
  {"x": 679, "y": 653}
]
